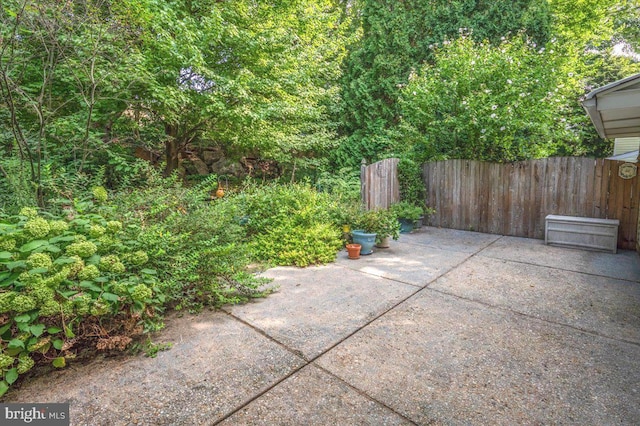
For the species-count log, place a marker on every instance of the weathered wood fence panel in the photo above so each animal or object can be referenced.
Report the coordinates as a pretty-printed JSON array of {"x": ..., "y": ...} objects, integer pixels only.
[
  {"x": 379, "y": 184},
  {"x": 514, "y": 198}
]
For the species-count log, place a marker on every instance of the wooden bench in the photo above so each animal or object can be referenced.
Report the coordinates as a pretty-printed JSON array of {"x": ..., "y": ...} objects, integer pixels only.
[{"x": 582, "y": 232}]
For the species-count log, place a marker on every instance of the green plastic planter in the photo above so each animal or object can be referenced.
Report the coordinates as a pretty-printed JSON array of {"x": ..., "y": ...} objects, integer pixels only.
[{"x": 406, "y": 225}]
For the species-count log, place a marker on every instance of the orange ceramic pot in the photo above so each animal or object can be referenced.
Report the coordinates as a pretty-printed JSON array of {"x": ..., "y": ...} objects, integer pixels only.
[{"x": 354, "y": 251}]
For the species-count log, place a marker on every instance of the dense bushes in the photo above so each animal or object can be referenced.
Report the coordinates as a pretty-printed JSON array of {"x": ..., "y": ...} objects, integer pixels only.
[
  {"x": 66, "y": 283},
  {"x": 79, "y": 281},
  {"x": 291, "y": 225},
  {"x": 195, "y": 243},
  {"x": 499, "y": 103}
]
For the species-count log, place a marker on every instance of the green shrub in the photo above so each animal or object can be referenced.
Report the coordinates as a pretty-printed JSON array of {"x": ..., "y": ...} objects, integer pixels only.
[
  {"x": 56, "y": 279},
  {"x": 291, "y": 224},
  {"x": 171, "y": 247},
  {"x": 406, "y": 210},
  {"x": 382, "y": 222},
  {"x": 298, "y": 245},
  {"x": 196, "y": 245},
  {"x": 412, "y": 187}
]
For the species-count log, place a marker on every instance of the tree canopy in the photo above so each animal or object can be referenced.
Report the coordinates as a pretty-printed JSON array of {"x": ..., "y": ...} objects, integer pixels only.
[
  {"x": 398, "y": 37},
  {"x": 304, "y": 83}
]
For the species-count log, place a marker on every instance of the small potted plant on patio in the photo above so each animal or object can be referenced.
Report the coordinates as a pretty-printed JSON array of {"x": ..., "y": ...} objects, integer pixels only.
[
  {"x": 426, "y": 212},
  {"x": 407, "y": 214},
  {"x": 371, "y": 227},
  {"x": 386, "y": 225}
]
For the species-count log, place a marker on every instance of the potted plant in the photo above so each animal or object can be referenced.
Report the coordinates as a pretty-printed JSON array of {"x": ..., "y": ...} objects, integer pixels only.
[
  {"x": 386, "y": 226},
  {"x": 372, "y": 227},
  {"x": 407, "y": 214},
  {"x": 426, "y": 211}
]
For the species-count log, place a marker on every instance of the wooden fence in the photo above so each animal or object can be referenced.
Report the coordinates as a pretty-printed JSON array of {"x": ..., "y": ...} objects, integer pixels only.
[
  {"x": 379, "y": 183},
  {"x": 514, "y": 198}
]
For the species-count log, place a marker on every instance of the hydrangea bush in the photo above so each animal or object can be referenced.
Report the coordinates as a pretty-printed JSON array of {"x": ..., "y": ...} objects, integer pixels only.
[{"x": 58, "y": 278}]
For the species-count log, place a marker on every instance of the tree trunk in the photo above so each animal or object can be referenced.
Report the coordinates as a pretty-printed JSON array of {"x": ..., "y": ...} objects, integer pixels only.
[{"x": 171, "y": 149}]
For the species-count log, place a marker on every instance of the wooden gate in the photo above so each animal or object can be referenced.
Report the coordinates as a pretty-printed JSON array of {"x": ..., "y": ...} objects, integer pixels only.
[
  {"x": 379, "y": 183},
  {"x": 514, "y": 198}
]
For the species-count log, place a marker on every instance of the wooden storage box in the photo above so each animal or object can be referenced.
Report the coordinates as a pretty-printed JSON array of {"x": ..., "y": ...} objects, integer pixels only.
[{"x": 582, "y": 232}]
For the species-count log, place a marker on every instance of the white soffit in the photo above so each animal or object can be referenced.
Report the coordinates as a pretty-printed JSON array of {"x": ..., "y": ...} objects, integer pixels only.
[{"x": 614, "y": 109}]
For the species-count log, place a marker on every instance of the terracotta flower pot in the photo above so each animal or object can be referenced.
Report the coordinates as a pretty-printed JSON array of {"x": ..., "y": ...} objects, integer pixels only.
[{"x": 354, "y": 251}]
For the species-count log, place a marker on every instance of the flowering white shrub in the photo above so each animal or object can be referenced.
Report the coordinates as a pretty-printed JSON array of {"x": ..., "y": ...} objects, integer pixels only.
[{"x": 494, "y": 103}]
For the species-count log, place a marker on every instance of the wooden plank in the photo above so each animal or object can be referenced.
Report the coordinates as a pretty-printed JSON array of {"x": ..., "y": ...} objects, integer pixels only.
[
  {"x": 631, "y": 235},
  {"x": 483, "y": 196},
  {"x": 454, "y": 194},
  {"x": 589, "y": 177},
  {"x": 528, "y": 198},
  {"x": 477, "y": 200},
  {"x": 630, "y": 220},
  {"x": 560, "y": 199},
  {"x": 439, "y": 170},
  {"x": 626, "y": 235},
  {"x": 500, "y": 182},
  {"x": 523, "y": 197},
  {"x": 604, "y": 189},
  {"x": 512, "y": 200},
  {"x": 466, "y": 204},
  {"x": 597, "y": 188},
  {"x": 494, "y": 202},
  {"x": 540, "y": 177},
  {"x": 550, "y": 186},
  {"x": 616, "y": 187},
  {"x": 436, "y": 193}
]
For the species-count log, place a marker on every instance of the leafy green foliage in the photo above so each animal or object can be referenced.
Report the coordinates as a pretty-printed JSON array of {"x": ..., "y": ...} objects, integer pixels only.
[
  {"x": 407, "y": 210},
  {"x": 382, "y": 222},
  {"x": 294, "y": 244},
  {"x": 411, "y": 185},
  {"x": 65, "y": 73},
  {"x": 291, "y": 224},
  {"x": 194, "y": 243},
  {"x": 56, "y": 274},
  {"x": 398, "y": 37},
  {"x": 229, "y": 72},
  {"x": 499, "y": 103}
]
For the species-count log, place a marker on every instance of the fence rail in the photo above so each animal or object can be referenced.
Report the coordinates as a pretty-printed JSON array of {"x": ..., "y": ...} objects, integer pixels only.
[{"x": 514, "y": 198}]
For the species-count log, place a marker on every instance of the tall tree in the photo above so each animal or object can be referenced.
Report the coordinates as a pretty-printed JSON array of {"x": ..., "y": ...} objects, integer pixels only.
[
  {"x": 246, "y": 75},
  {"x": 508, "y": 102},
  {"x": 396, "y": 37},
  {"x": 61, "y": 77}
]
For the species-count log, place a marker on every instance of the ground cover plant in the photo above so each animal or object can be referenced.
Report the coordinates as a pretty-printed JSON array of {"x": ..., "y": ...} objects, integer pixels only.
[{"x": 291, "y": 224}]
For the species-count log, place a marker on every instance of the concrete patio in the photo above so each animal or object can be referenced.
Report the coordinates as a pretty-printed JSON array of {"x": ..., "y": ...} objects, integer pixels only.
[{"x": 444, "y": 327}]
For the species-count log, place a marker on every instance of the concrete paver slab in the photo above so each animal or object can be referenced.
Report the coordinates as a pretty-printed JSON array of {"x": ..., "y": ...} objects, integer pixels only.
[
  {"x": 215, "y": 366},
  {"x": 412, "y": 264},
  {"x": 314, "y": 397},
  {"x": 602, "y": 305},
  {"x": 319, "y": 306},
  {"x": 449, "y": 239},
  {"x": 438, "y": 359},
  {"x": 624, "y": 265}
]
